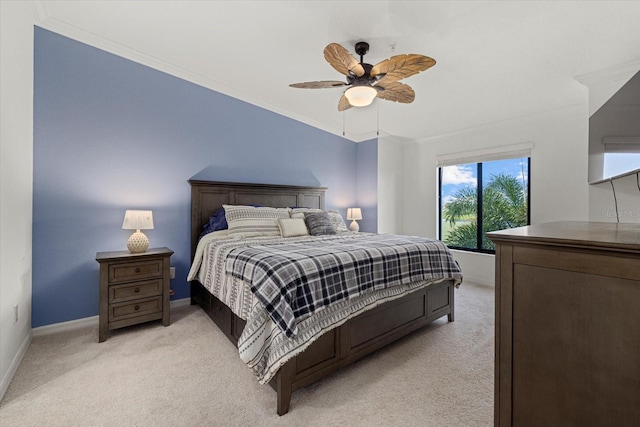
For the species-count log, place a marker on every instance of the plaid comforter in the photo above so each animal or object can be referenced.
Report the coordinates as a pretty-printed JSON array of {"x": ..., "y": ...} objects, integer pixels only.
[{"x": 293, "y": 280}]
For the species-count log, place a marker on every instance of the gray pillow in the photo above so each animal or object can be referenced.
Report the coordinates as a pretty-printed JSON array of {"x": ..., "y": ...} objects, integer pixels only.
[
  {"x": 337, "y": 221},
  {"x": 319, "y": 223}
]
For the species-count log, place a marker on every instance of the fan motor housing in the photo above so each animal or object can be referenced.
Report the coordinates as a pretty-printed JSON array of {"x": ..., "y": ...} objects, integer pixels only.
[
  {"x": 362, "y": 48},
  {"x": 365, "y": 79}
]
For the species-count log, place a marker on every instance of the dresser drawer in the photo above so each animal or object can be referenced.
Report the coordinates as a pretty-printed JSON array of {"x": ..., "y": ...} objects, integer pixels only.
[
  {"x": 137, "y": 290},
  {"x": 135, "y": 308},
  {"x": 129, "y": 271}
]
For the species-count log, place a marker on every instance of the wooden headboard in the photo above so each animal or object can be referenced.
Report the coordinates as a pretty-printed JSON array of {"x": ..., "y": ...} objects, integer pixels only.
[{"x": 209, "y": 196}]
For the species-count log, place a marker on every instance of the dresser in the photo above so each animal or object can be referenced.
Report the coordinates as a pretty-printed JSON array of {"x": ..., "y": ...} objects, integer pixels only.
[
  {"x": 134, "y": 288},
  {"x": 567, "y": 325}
]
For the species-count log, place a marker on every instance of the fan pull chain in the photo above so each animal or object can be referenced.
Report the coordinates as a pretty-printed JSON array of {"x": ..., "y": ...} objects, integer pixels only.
[
  {"x": 343, "y": 132},
  {"x": 378, "y": 119}
]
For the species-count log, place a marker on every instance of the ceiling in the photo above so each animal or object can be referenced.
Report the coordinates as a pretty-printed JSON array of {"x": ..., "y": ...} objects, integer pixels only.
[{"x": 496, "y": 60}]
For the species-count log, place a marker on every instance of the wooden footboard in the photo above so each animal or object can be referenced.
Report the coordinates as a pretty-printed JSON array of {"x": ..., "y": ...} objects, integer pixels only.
[{"x": 345, "y": 344}]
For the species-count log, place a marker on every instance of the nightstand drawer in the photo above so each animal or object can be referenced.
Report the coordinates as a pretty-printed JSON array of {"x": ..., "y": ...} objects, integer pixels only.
[
  {"x": 138, "y": 290},
  {"x": 126, "y": 272},
  {"x": 135, "y": 309}
]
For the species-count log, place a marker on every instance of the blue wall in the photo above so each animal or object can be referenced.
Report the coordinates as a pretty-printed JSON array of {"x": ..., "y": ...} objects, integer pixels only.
[{"x": 111, "y": 135}]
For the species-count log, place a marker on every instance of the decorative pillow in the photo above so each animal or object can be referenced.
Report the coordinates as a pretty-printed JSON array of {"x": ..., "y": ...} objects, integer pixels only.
[
  {"x": 337, "y": 221},
  {"x": 291, "y": 227},
  {"x": 319, "y": 223},
  {"x": 249, "y": 221},
  {"x": 217, "y": 221},
  {"x": 299, "y": 212}
]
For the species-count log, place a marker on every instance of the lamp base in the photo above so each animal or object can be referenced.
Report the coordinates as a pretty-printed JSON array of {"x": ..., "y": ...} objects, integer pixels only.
[
  {"x": 354, "y": 226},
  {"x": 137, "y": 243}
]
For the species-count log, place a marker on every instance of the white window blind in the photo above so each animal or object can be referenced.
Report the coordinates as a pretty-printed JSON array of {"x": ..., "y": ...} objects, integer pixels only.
[
  {"x": 486, "y": 154},
  {"x": 621, "y": 144}
]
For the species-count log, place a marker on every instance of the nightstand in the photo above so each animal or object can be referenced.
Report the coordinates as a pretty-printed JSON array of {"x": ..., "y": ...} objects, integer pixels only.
[{"x": 134, "y": 288}]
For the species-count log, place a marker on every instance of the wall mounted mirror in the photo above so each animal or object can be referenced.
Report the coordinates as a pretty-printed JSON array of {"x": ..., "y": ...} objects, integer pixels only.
[{"x": 614, "y": 135}]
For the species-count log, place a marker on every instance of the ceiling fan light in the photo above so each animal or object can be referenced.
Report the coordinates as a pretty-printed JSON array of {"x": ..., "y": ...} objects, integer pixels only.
[{"x": 360, "y": 96}]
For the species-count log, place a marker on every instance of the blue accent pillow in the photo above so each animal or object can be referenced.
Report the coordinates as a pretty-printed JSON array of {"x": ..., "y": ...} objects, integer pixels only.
[{"x": 217, "y": 221}]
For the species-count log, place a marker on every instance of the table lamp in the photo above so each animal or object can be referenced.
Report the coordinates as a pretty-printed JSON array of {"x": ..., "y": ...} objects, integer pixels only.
[
  {"x": 137, "y": 220},
  {"x": 354, "y": 214}
]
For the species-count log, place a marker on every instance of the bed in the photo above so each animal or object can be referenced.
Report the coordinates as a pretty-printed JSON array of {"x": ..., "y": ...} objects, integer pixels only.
[{"x": 338, "y": 334}]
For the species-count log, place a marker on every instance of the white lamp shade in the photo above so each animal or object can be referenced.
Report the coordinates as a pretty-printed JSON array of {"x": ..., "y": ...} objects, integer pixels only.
[
  {"x": 354, "y": 213},
  {"x": 137, "y": 220},
  {"x": 360, "y": 96}
]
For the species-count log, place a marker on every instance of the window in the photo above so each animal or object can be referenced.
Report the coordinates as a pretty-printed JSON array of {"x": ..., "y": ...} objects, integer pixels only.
[
  {"x": 619, "y": 163},
  {"x": 476, "y": 198}
]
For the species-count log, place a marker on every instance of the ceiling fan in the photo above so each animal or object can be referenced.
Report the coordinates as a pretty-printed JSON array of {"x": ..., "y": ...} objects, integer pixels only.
[{"x": 366, "y": 81}]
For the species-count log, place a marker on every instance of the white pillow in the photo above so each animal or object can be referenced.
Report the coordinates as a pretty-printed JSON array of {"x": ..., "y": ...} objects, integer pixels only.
[
  {"x": 299, "y": 212},
  {"x": 292, "y": 227},
  {"x": 249, "y": 221}
]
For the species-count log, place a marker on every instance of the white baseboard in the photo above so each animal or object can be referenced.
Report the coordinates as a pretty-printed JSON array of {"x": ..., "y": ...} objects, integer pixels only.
[
  {"x": 88, "y": 321},
  {"x": 181, "y": 302},
  {"x": 65, "y": 326},
  {"x": 478, "y": 281},
  {"x": 15, "y": 363}
]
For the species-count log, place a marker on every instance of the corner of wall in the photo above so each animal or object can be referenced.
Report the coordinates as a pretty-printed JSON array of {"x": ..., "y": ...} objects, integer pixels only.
[
  {"x": 14, "y": 365},
  {"x": 389, "y": 185},
  {"x": 367, "y": 184},
  {"x": 16, "y": 184}
]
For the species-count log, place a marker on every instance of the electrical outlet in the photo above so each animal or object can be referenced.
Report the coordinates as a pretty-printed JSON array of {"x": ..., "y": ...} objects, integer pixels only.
[
  {"x": 15, "y": 314},
  {"x": 172, "y": 272}
]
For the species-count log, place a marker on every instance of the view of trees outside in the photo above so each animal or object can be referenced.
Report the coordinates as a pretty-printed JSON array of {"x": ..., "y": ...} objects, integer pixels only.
[{"x": 504, "y": 189}]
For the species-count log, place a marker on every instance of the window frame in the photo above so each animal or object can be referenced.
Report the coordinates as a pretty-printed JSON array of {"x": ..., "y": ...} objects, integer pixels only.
[{"x": 478, "y": 248}]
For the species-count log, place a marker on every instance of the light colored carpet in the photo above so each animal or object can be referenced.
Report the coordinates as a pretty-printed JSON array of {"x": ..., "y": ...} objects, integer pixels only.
[{"x": 190, "y": 374}]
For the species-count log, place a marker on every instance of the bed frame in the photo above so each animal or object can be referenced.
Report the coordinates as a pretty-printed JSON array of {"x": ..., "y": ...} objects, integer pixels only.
[{"x": 341, "y": 346}]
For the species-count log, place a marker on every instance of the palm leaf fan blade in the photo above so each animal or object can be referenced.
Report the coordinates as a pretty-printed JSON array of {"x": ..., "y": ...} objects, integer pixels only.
[
  {"x": 401, "y": 66},
  {"x": 327, "y": 84},
  {"x": 398, "y": 92},
  {"x": 340, "y": 59},
  {"x": 343, "y": 104}
]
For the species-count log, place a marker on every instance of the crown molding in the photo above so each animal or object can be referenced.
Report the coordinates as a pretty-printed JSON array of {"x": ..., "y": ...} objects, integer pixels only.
[
  {"x": 39, "y": 10},
  {"x": 607, "y": 76},
  {"x": 605, "y": 83},
  {"x": 482, "y": 126}
]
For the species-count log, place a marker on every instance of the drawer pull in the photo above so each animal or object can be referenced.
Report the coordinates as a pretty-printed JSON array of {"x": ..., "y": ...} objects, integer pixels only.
[
  {"x": 136, "y": 290},
  {"x": 137, "y": 269},
  {"x": 136, "y": 308}
]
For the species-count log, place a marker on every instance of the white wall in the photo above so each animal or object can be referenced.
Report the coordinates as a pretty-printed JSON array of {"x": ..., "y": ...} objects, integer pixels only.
[
  {"x": 389, "y": 184},
  {"x": 559, "y": 189},
  {"x": 16, "y": 182}
]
